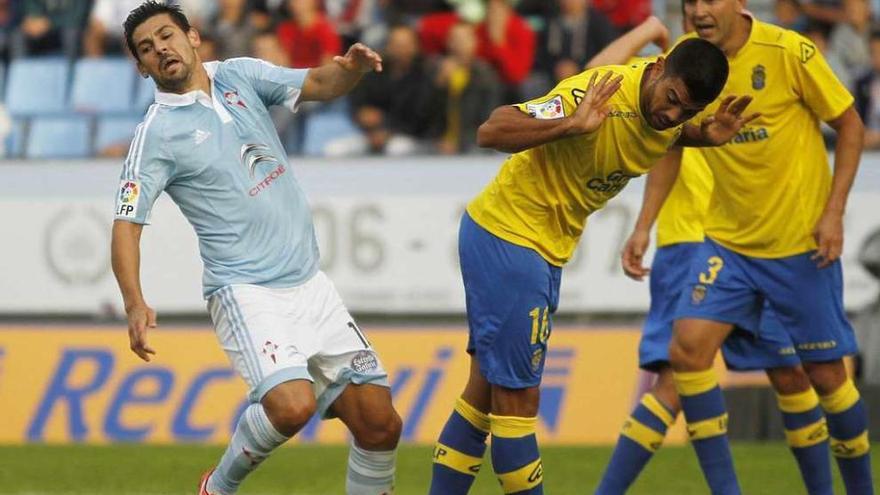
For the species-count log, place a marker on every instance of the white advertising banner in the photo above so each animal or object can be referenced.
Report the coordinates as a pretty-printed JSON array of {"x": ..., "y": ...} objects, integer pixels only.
[{"x": 387, "y": 230}]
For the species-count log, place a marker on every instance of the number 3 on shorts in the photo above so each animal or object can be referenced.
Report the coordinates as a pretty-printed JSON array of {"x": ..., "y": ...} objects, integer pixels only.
[{"x": 715, "y": 266}]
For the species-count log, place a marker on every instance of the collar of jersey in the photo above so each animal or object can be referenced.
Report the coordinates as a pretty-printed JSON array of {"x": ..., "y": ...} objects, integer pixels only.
[{"x": 197, "y": 96}]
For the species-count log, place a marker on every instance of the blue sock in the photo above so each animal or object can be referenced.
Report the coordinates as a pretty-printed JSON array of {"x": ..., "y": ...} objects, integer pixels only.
[
  {"x": 807, "y": 436},
  {"x": 848, "y": 427},
  {"x": 703, "y": 405},
  {"x": 642, "y": 434},
  {"x": 458, "y": 454},
  {"x": 515, "y": 455}
]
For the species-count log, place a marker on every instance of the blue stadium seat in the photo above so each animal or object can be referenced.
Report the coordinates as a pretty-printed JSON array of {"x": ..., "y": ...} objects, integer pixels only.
[
  {"x": 144, "y": 94},
  {"x": 323, "y": 127},
  {"x": 115, "y": 130},
  {"x": 102, "y": 85},
  {"x": 58, "y": 137},
  {"x": 15, "y": 140},
  {"x": 37, "y": 85}
]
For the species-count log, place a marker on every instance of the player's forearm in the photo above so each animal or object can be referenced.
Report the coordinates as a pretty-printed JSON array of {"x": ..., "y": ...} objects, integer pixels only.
[
  {"x": 847, "y": 152},
  {"x": 329, "y": 81},
  {"x": 511, "y": 131},
  {"x": 692, "y": 137},
  {"x": 630, "y": 44},
  {"x": 659, "y": 183},
  {"x": 125, "y": 259}
]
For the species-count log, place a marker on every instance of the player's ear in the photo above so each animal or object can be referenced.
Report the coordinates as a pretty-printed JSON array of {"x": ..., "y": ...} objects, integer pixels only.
[
  {"x": 659, "y": 66},
  {"x": 195, "y": 39}
]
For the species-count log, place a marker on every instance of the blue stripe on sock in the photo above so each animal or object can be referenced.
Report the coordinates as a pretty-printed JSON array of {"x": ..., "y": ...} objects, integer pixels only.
[
  {"x": 463, "y": 436},
  {"x": 850, "y": 423},
  {"x": 796, "y": 421},
  {"x": 703, "y": 406},
  {"x": 627, "y": 461},
  {"x": 509, "y": 454},
  {"x": 644, "y": 415}
]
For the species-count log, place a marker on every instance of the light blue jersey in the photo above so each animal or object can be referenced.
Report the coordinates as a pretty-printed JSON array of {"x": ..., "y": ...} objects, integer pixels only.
[{"x": 222, "y": 163}]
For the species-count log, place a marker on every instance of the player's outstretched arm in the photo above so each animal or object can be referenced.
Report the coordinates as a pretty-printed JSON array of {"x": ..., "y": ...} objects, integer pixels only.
[
  {"x": 625, "y": 47},
  {"x": 660, "y": 180},
  {"x": 125, "y": 257},
  {"x": 512, "y": 131},
  {"x": 720, "y": 128},
  {"x": 341, "y": 75},
  {"x": 828, "y": 231}
]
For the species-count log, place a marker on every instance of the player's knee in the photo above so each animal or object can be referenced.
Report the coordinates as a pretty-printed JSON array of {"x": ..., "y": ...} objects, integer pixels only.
[
  {"x": 826, "y": 377},
  {"x": 379, "y": 430},
  {"x": 686, "y": 357},
  {"x": 289, "y": 416},
  {"x": 789, "y": 380}
]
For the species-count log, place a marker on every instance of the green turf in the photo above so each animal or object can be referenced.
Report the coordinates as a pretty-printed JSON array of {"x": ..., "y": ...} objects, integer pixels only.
[{"x": 312, "y": 470}]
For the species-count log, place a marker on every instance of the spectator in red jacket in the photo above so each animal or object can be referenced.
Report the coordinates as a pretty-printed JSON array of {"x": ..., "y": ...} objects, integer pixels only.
[
  {"x": 505, "y": 39},
  {"x": 308, "y": 37},
  {"x": 624, "y": 14}
]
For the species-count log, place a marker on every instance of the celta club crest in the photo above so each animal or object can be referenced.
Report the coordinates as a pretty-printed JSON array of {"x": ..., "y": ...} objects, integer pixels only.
[
  {"x": 254, "y": 154},
  {"x": 269, "y": 349},
  {"x": 759, "y": 77},
  {"x": 232, "y": 98}
]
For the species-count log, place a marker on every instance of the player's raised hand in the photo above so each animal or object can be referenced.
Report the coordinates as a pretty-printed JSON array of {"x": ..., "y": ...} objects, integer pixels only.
[
  {"x": 360, "y": 58},
  {"x": 593, "y": 109},
  {"x": 828, "y": 234},
  {"x": 139, "y": 319},
  {"x": 633, "y": 255},
  {"x": 728, "y": 120}
]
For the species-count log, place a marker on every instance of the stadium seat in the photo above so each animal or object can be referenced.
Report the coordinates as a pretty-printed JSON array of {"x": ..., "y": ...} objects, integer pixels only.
[
  {"x": 102, "y": 85},
  {"x": 15, "y": 139},
  {"x": 58, "y": 137},
  {"x": 114, "y": 130},
  {"x": 323, "y": 127},
  {"x": 144, "y": 94},
  {"x": 37, "y": 85}
]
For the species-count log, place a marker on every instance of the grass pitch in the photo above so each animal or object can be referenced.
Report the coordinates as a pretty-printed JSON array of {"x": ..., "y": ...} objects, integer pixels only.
[{"x": 320, "y": 470}]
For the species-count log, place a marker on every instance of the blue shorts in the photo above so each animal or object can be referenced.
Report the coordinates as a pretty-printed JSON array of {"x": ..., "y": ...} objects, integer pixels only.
[
  {"x": 742, "y": 351},
  {"x": 511, "y": 293},
  {"x": 729, "y": 287}
]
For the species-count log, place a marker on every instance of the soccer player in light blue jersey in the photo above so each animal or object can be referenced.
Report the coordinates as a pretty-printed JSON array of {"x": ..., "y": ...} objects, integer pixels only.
[{"x": 209, "y": 143}]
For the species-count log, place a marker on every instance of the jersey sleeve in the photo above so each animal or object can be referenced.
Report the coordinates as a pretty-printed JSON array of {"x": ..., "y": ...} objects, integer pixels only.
[
  {"x": 814, "y": 80},
  {"x": 562, "y": 100},
  {"x": 146, "y": 172},
  {"x": 275, "y": 85}
]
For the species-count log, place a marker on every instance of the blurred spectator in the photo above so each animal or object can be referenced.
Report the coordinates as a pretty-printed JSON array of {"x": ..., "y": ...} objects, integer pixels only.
[
  {"x": 827, "y": 11},
  {"x": 505, "y": 39},
  {"x": 624, "y": 14},
  {"x": 8, "y": 24},
  {"x": 392, "y": 107},
  {"x": 290, "y": 126},
  {"x": 849, "y": 39},
  {"x": 208, "y": 49},
  {"x": 104, "y": 33},
  {"x": 51, "y": 26},
  {"x": 308, "y": 37},
  {"x": 818, "y": 32},
  {"x": 789, "y": 15},
  {"x": 867, "y": 94},
  {"x": 466, "y": 92},
  {"x": 198, "y": 11},
  {"x": 867, "y": 320},
  {"x": 572, "y": 37},
  {"x": 352, "y": 17},
  {"x": 5, "y": 130},
  {"x": 233, "y": 29}
]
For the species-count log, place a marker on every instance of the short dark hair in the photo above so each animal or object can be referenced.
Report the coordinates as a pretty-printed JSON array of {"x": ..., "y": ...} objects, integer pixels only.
[
  {"x": 147, "y": 10},
  {"x": 701, "y": 65}
]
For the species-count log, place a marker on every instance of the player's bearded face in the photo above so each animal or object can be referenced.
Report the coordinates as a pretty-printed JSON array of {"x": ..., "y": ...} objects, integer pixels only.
[
  {"x": 165, "y": 52},
  {"x": 667, "y": 103}
]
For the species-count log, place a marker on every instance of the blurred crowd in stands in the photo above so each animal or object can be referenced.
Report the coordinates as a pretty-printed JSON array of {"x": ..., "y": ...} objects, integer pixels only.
[{"x": 448, "y": 63}]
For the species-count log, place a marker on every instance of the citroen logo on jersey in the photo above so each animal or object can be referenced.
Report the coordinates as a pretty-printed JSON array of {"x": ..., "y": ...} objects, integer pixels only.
[{"x": 255, "y": 154}]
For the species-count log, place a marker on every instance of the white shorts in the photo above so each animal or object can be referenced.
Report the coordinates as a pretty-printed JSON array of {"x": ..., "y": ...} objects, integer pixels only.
[{"x": 300, "y": 333}]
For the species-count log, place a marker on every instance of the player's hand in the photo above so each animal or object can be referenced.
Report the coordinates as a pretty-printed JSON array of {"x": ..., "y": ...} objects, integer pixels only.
[
  {"x": 139, "y": 319},
  {"x": 659, "y": 32},
  {"x": 633, "y": 254},
  {"x": 592, "y": 110},
  {"x": 829, "y": 238},
  {"x": 360, "y": 58},
  {"x": 728, "y": 120}
]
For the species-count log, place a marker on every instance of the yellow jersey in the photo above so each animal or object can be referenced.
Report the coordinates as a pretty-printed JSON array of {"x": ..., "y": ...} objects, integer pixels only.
[
  {"x": 682, "y": 215},
  {"x": 773, "y": 179},
  {"x": 542, "y": 196}
]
